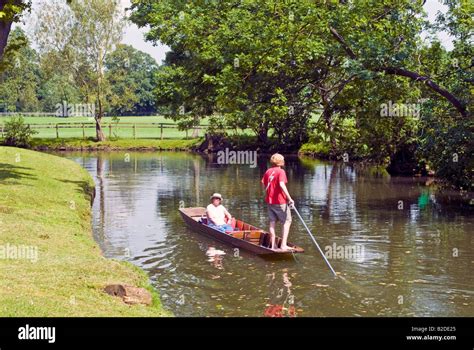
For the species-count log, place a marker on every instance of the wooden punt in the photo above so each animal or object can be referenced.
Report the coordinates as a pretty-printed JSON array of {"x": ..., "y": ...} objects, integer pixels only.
[{"x": 245, "y": 236}]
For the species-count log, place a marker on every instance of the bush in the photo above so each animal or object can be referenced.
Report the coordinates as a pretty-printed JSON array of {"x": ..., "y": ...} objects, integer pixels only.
[
  {"x": 321, "y": 149},
  {"x": 448, "y": 147},
  {"x": 18, "y": 134}
]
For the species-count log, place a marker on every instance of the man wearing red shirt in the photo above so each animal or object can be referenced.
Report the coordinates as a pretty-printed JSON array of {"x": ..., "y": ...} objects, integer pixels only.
[{"x": 278, "y": 199}]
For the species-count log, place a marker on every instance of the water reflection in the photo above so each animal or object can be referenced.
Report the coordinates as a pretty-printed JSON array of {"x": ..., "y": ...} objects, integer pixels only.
[
  {"x": 215, "y": 257},
  {"x": 418, "y": 245},
  {"x": 281, "y": 300}
]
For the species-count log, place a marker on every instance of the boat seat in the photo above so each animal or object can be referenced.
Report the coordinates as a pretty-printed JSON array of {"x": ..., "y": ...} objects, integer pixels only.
[{"x": 252, "y": 236}]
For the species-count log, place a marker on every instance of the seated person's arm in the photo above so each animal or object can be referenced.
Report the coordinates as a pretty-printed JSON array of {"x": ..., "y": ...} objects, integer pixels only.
[{"x": 227, "y": 214}]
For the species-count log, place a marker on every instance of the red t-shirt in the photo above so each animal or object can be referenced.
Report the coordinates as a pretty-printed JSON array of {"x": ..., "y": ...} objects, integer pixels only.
[{"x": 271, "y": 180}]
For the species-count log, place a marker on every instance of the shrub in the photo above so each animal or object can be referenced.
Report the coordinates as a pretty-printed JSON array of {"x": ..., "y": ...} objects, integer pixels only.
[{"x": 18, "y": 134}]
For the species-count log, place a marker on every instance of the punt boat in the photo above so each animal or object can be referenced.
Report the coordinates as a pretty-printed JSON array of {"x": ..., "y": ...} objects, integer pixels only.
[{"x": 244, "y": 236}]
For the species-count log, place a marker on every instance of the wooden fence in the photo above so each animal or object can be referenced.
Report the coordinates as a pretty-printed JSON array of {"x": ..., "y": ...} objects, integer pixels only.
[{"x": 135, "y": 130}]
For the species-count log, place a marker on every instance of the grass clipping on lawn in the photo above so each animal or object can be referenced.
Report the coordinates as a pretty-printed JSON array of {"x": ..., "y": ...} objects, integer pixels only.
[{"x": 45, "y": 204}]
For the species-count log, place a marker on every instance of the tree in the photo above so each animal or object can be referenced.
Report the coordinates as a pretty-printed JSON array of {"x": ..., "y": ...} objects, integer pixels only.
[
  {"x": 447, "y": 141},
  {"x": 254, "y": 62},
  {"x": 99, "y": 29},
  {"x": 244, "y": 60},
  {"x": 131, "y": 75},
  {"x": 77, "y": 38},
  {"x": 10, "y": 12},
  {"x": 19, "y": 77},
  {"x": 386, "y": 38}
]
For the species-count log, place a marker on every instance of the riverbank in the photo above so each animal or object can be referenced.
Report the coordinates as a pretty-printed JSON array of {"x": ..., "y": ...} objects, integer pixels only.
[
  {"x": 50, "y": 264},
  {"x": 79, "y": 144}
]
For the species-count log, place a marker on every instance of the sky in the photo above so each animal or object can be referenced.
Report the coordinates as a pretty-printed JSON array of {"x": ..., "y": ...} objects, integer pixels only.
[{"x": 134, "y": 36}]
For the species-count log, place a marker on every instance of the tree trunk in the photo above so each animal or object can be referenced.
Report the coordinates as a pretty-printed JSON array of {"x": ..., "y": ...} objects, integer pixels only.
[
  {"x": 6, "y": 25},
  {"x": 100, "y": 136},
  {"x": 327, "y": 116},
  {"x": 195, "y": 133},
  {"x": 329, "y": 124},
  {"x": 263, "y": 133},
  {"x": 5, "y": 28}
]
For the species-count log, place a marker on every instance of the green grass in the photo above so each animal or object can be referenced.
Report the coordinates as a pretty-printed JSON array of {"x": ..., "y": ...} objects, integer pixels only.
[
  {"x": 120, "y": 144},
  {"x": 122, "y": 131},
  {"x": 45, "y": 204},
  {"x": 46, "y": 127}
]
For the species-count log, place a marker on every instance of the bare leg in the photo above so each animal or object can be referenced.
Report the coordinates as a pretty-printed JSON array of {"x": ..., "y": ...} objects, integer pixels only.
[
  {"x": 286, "y": 231},
  {"x": 272, "y": 234}
]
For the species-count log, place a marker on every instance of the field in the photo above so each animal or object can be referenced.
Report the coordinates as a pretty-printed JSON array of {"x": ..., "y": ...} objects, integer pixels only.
[{"x": 150, "y": 127}]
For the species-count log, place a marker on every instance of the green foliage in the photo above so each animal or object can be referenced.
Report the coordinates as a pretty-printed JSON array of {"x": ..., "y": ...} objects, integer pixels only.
[
  {"x": 131, "y": 75},
  {"x": 270, "y": 65},
  {"x": 19, "y": 77},
  {"x": 242, "y": 62},
  {"x": 12, "y": 10},
  {"x": 321, "y": 149},
  {"x": 448, "y": 146},
  {"x": 446, "y": 139},
  {"x": 18, "y": 134}
]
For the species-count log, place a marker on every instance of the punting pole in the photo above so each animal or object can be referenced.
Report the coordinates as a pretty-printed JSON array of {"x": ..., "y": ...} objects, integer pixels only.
[{"x": 314, "y": 239}]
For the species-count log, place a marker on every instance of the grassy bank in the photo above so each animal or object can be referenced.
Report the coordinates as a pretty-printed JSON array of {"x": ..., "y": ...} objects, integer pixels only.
[
  {"x": 79, "y": 144},
  {"x": 45, "y": 207}
]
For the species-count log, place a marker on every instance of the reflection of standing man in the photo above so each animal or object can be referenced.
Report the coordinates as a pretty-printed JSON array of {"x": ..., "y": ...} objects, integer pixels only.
[
  {"x": 278, "y": 199},
  {"x": 282, "y": 301}
]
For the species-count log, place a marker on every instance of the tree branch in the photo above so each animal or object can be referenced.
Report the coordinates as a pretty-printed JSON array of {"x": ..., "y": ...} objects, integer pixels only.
[
  {"x": 460, "y": 107},
  {"x": 430, "y": 83}
]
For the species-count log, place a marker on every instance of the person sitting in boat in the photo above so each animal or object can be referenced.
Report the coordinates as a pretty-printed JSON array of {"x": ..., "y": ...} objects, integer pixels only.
[{"x": 217, "y": 214}]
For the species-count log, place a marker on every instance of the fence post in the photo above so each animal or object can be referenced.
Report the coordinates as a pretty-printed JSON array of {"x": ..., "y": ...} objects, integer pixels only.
[
  {"x": 161, "y": 132},
  {"x": 110, "y": 130},
  {"x": 134, "y": 131},
  {"x": 186, "y": 134},
  {"x": 57, "y": 131},
  {"x": 83, "y": 131}
]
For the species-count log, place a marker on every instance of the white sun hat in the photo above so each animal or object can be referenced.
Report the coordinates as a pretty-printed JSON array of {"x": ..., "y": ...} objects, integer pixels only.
[{"x": 216, "y": 195}]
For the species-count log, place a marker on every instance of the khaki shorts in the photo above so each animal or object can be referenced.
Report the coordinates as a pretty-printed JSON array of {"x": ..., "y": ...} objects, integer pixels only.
[{"x": 280, "y": 212}]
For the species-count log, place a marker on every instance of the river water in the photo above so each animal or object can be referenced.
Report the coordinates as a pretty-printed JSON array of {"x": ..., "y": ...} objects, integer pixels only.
[{"x": 401, "y": 248}]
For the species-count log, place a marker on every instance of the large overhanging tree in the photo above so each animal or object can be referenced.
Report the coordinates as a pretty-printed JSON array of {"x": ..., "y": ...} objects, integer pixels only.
[
  {"x": 267, "y": 64},
  {"x": 247, "y": 61},
  {"x": 384, "y": 37}
]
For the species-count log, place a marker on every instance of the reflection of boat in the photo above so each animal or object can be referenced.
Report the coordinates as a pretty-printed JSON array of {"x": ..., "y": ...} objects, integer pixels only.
[{"x": 244, "y": 236}]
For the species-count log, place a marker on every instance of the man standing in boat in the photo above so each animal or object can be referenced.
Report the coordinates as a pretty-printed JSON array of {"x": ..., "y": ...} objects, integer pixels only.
[{"x": 278, "y": 199}]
